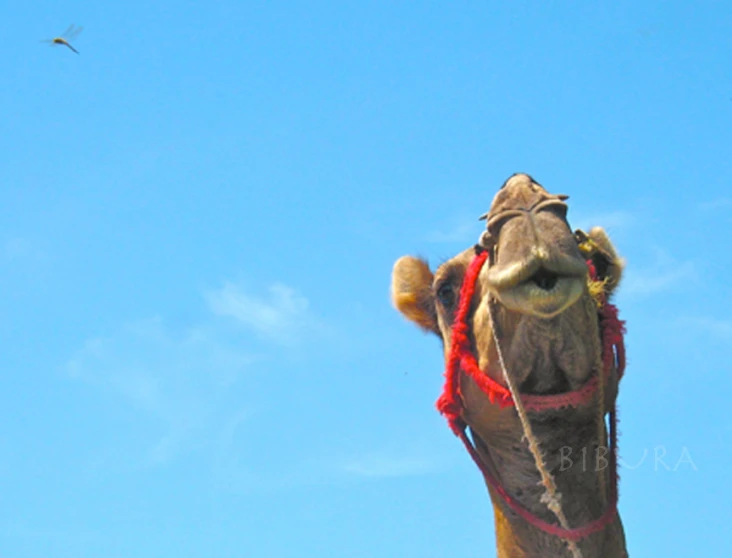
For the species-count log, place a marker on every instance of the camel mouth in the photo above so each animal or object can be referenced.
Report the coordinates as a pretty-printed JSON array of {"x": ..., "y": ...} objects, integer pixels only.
[
  {"x": 539, "y": 286},
  {"x": 543, "y": 295},
  {"x": 544, "y": 279}
]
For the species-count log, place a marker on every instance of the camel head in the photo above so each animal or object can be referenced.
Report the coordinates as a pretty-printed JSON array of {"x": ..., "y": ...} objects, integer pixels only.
[
  {"x": 532, "y": 315},
  {"x": 537, "y": 281}
]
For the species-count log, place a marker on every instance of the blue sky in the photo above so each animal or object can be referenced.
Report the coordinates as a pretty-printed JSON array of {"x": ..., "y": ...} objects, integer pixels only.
[{"x": 198, "y": 218}]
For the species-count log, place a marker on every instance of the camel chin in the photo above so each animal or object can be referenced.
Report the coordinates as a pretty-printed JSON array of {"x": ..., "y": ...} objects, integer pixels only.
[{"x": 534, "y": 300}]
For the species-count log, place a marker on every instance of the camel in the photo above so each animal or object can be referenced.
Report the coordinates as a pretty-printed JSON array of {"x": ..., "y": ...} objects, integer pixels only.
[{"x": 534, "y": 355}]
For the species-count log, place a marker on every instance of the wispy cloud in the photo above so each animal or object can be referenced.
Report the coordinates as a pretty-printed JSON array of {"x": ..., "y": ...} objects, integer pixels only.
[
  {"x": 15, "y": 249},
  {"x": 467, "y": 231},
  {"x": 283, "y": 316},
  {"x": 716, "y": 205},
  {"x": 181, "y": 380},
  {"x": 611, "y": 221},
  {"x": 651, "y": 281},
  {"x": 664, "y": 273},
  {"x": 13, "y": 246},
  {"x": 721, "y": 329},
  {"x": 376, "y": 465},
  {"x": 190, "y": 381}
]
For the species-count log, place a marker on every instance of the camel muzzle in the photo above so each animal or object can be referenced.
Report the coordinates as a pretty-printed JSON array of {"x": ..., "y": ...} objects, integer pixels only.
[{"x": 542, "y": 285}]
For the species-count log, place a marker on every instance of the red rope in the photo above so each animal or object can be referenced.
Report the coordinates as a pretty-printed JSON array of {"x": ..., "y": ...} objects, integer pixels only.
[
  {"x": 613, "y": 331},
  {"x": 461, "y": 358},
  {"x": 448, "y": 403}
]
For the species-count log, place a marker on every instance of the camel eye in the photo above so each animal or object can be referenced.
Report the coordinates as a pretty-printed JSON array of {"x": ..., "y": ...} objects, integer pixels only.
[{"x": 446, "y": 295}]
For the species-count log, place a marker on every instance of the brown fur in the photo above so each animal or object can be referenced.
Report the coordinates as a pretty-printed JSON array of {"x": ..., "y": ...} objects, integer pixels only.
[{"x": 546, "y": 351}]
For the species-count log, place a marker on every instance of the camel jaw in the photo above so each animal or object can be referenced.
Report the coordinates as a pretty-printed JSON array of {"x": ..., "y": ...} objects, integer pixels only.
[{"x": 539, "y": 286}]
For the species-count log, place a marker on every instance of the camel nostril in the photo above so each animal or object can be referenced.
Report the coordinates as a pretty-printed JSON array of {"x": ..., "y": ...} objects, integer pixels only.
[{"x": 544, "y": 279}]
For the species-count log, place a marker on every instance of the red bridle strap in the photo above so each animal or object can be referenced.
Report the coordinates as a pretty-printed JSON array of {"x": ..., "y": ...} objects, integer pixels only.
[
  {"x": 449, "y": 404},
  {"x": 461, "y": 358},
  {"x": 568, "y": 534}
]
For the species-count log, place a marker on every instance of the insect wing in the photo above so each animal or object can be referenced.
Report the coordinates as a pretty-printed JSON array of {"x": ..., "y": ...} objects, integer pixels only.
[
  {"x": 72, "y": 32},
  {"x": 69, "y": 29}
]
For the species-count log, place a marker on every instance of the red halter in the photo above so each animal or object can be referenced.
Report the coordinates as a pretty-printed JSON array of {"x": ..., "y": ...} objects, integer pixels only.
[{"x": 461, "y": 358}]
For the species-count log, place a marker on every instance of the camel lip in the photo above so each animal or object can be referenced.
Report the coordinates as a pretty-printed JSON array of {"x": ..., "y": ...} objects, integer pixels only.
[
  {"x": 543, "y": 300},
  {"x": 541, "y": 285},
  {"x": 537, "y": 267}
]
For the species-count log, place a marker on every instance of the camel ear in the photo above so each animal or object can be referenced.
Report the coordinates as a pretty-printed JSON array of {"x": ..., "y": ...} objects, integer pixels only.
[
  {"x": 411, "y": 292},
  {"x": 607, "y": 262}
]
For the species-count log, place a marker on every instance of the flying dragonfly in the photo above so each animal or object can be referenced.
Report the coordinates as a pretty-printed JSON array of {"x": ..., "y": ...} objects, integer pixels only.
[{"x": 69, "y": 35}]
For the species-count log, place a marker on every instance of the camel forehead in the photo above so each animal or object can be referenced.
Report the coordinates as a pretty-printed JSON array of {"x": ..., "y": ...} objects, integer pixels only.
[{"x": 519, "y": 192}]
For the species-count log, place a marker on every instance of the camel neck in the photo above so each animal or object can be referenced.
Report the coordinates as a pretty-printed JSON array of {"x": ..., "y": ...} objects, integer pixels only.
[{"x": 581, "y": 470}]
